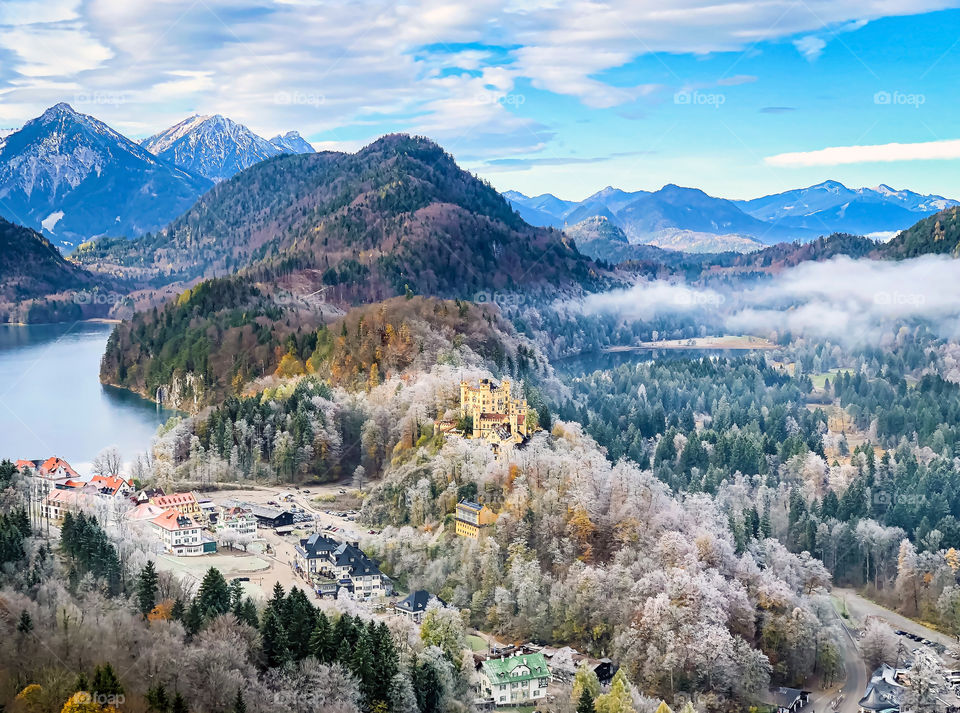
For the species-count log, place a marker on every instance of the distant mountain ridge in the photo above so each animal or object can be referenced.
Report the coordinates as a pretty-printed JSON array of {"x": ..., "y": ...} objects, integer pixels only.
[
  {"x": 72, "y": 177},
  {"x": 659, "y": 217},
  {"x": 217, "y": 147}
]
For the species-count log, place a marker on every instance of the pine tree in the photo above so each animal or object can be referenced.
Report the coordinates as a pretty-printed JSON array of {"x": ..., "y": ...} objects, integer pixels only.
[
  {"x": 25, "y": 625},
  {"x": 274, "y": 639},
  {"x": 147, "y": 589},
  {"x": 105, "y": 681},
  {"x": 585, "y": 704},
  {"x": 239, "y": 705},
  {"x": 157, "y": 699},
  {"x": 179, "y": 704},
  {"x": 319, "y": 645},
  {"x": 177, "y": 611}
]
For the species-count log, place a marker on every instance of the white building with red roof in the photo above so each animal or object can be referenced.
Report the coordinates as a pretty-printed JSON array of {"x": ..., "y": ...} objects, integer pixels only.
[
  {"x": 112, "y": 486},
  {"x": 180, "y": 534}
]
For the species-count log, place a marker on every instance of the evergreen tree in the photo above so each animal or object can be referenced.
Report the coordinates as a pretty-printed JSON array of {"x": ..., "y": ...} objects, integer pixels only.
[
  {"x": 239, "y": 705},
  {"x": 274, "y": 639},
  {"x": 157, "y": 699},
  {"x": 105, "y": 682},
  {"x": 147, "y": 589},
  {"x": 179, "y": 704},
  {"x": 585, "y": 704},
  {"x": 25, "y": 624}
]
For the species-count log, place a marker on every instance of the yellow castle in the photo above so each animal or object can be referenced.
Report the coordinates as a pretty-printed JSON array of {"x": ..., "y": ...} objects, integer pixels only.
[{"x": 495, "y": 415}]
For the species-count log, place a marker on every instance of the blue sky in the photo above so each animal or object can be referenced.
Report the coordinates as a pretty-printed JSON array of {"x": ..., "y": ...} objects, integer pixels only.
[{"x": 560, "y": 96}]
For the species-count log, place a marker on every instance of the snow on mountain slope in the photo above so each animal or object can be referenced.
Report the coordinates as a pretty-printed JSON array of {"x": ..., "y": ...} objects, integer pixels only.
[
  {"x": 100, "y": 182},
  {"x": 211, "y": 146},
  {"x": 291, "y": 142}
]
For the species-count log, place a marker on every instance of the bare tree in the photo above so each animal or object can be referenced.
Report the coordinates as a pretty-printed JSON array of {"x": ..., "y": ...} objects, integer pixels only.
[{"x": 108, "y": 462}]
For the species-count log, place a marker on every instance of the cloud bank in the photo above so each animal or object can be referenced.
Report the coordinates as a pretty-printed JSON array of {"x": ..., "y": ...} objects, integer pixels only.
[{"x": 842, "y": 299}]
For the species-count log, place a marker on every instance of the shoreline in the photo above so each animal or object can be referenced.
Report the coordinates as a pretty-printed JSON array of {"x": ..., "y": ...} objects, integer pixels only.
[
  {"x": 697, "y": 343},
  {"x": 91, "y": 320}
]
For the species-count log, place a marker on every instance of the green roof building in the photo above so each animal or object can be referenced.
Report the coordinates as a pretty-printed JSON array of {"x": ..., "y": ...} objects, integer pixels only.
[{"x": 516, "y": 680}]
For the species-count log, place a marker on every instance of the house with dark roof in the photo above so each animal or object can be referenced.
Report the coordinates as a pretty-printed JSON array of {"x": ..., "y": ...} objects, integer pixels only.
[
  {"x": 884, "y": 691},
  {"x": 320, "y": 558},
  {"x": 271, "y": 517},
  {"x": 788, "y": 700},
  {"x": 515, "y": 680},
  {"x": 415, "y": 605}
]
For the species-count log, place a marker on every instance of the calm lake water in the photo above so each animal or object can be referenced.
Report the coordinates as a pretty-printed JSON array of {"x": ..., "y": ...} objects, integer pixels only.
[{"x": 52, "y": 402}]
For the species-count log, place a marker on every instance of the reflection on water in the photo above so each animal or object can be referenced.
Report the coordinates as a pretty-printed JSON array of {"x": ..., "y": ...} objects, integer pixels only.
[
  {"x": 599, "y": 361},
  {"x": 52, "y": 401}
]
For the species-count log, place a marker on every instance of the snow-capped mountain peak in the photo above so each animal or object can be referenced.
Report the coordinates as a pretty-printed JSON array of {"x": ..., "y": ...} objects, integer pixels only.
[
  {"x": 292, "y": 142},
  {"x": 218, "y": 147}
]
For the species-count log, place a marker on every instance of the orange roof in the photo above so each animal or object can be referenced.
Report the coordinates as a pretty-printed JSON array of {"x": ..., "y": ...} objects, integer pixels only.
[
  {"x": 175, "y": 500},
  {"x": 169, "y": 520},
  {"x": 73, "y": 483},
  {"x": 108, "y": 481},
  {"x": 146, "y": 511},
  {"x": 53, "y": 463},
  {"x": 27, "y": 464}
]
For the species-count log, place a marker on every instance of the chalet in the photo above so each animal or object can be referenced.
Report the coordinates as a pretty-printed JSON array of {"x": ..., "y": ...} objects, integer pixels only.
[
  {"x": 472, "y": 518},
  {"x": 414, "y": 607},
  {"x": 788, "y": 700},
  {"x": 271, "y": 517},
  {"x": 181, "y": 535},
  {"x": 515, "y": 680},
  {"x": 185, "y": 503}
]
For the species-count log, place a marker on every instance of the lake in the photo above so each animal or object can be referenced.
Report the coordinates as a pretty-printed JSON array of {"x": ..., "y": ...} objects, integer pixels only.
[{"x": 52, "y": 401}]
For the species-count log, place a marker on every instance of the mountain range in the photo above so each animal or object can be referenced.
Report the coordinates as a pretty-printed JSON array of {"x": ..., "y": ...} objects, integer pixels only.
[
  {"x": 690, "y": 220},
  {"x": 217, "y": 148},
  {"x": 71, "y": 177}
]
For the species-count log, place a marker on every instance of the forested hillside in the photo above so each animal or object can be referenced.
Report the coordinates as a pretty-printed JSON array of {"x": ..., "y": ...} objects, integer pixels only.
[
  {"x": 223, "y": 334},
  {"x": 939, "y": 235},
  {"x": 398, "y": 214},
  {"x": 38, "y": 285}
]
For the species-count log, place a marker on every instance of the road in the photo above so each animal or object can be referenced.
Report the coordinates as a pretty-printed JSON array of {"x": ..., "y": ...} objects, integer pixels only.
[
  {"x": 855, "y": 680},
  {"x": 860, "y": 608}
]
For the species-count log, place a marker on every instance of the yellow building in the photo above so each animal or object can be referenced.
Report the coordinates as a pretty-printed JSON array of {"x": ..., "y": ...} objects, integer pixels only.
[
  {"x": 472, "y": 518},
  {"x": 496, "y": 416}
]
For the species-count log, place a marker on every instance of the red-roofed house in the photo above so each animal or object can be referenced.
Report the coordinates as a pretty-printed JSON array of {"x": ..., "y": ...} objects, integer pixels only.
[
  {"x": 144, "y": 512},
  {"x": 55, "y": 468},
  {"x": 186, "y": 503},
  {"x": 179, "y": 533},
  {"x": 113, "y": 486}
]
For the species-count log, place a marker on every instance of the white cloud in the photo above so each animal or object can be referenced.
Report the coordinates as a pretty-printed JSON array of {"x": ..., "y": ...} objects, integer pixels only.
[
  {"x": 810, "y": 46},
  {"x": 366, "y": 61},
  {"x": 841, "y": 155},
  {"x": 841, "y": 299}
]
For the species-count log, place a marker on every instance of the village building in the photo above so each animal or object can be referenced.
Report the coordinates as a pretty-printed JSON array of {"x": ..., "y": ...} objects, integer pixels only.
[
  {"x": 144, "y": 512},
  {"x": 186, "y": 503},
  {"x": 331, "y": 565},
  {"x": 515, "y": 680},
  {"x": 112, "y": 486},
  {"x": 414, "y": 607},
  {"x": 472, "y": 518},
  {"x": 59, "y": 502},
  {"x": 181, "y": 535},
  {"x": 788, "y": 700},
  {"x": 237, "y": 520}
]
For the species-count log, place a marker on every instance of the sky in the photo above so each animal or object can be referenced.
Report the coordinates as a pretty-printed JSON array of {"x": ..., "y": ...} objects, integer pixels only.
[{"x": 736, "y": 97}]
